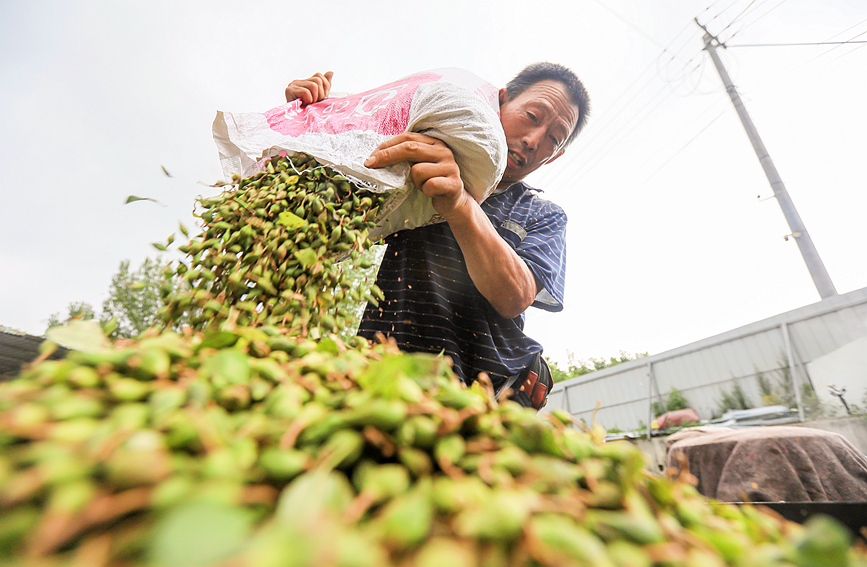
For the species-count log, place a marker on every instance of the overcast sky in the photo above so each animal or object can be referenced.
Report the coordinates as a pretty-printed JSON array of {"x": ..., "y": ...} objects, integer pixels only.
[{"x": 668, "y": 242}]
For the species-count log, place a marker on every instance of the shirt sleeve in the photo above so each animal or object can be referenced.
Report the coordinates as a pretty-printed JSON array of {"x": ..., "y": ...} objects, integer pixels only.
[{"x": 544, "y": 250}]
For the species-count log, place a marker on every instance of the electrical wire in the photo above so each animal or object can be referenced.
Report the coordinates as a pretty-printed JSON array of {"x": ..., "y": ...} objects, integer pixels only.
[
  {"x": 852, "y": 51},
  {"x": 723, "y": 11},
  {"x": 582, "y": 163},
  {"x": 686, "y": 145},
  {"x": 635, "y": 27},
  {"x": 797, "y": 44},
  {"x": 838, "y": 45},
  {"x": 630, "y": 24},
  {"x": 716, "y": 105},
  {"x": 605, "y": 138},
  {"x": 736, "y": 18},
  {"x": 579, "y": 166},
  {"x": 755, "y": 21},
  {"x": 596, "y": 157}
]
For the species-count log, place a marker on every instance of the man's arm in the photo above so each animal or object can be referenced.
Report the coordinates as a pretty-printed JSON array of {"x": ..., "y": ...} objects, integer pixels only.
[{"x": 499, "y": 274}]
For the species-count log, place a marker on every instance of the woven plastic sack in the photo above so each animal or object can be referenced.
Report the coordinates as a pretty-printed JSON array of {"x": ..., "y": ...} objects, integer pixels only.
[{"x": 452, "y": 105}]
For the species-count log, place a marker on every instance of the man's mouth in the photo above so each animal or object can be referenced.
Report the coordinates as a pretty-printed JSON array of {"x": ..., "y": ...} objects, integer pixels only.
[{"x": 516, "y": 158}]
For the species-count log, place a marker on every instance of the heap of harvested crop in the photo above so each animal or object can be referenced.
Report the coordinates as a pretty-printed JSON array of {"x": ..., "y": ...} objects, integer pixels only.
[
  {"x": 269, "y": 251},
  {"x": 241, "y": 443},
  {"x": 251, "y": 447}
]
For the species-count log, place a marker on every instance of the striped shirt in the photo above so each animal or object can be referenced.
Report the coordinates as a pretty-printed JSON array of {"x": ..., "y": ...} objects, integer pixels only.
[{"x": 431, "y": 304}]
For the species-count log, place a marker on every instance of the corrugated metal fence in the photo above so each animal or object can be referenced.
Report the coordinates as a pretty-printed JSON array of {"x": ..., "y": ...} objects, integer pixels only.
[{"x": 776, "y": 350}]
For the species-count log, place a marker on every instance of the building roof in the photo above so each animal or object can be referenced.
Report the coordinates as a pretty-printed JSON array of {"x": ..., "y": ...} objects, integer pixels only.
[{"x": 17, "y": 349}]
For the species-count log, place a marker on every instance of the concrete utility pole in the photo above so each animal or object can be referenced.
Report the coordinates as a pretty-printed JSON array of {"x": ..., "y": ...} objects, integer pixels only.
[{"x": 799, "y": 232}]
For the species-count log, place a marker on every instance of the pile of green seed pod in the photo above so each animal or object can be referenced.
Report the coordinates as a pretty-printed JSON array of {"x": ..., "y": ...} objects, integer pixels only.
[
  {"x": 250, "y": 447},
  {"x": 270, "y": 251}
]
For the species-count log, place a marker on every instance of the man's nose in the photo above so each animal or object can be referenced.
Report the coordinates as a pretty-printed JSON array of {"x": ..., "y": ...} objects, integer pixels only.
[{"x": 532, "y": 139}]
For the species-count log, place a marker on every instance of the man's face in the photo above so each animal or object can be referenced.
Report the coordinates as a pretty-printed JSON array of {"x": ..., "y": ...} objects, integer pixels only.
[{"x": 537, "y": 123}]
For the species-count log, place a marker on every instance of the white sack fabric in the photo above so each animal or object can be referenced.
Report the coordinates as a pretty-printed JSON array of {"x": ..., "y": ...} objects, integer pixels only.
[{"x": 452, "y": 105}]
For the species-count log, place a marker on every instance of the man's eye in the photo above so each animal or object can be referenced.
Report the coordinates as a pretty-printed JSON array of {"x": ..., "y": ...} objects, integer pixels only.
[
  {"x": 532, "y": 116},
  {"x": 554, "y": 141}
]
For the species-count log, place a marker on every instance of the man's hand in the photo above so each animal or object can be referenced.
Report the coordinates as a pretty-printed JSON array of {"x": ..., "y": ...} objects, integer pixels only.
[
  {"x": 433, "y": 169},
  {"x": 310, "y": 90},
  {"x": 499, "y": 274}
]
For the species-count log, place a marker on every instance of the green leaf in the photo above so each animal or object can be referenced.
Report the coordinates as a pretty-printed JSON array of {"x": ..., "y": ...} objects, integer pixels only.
[
  {"x": 824, "y": 543},
  {"x": 290, "y": 220},
  {"x": 313, "y": 495},
  {"x": 231, "y": 365},
  {"x": 219, "y": 340},
  {"x": 329, "y": 346},
  {"x": 307, "y": 257},
  {"x": 79, "y": 335},
  {"x": 134, "y": 198}
]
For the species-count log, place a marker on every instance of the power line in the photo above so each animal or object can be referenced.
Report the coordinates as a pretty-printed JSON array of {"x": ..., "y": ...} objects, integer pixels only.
[
  {"x": 760, "y": 18},
  {"x": 577, "y": 168},
  {"x": 636, "y": 28},
  {"x": 847, "y": 29},
  {"x": 723, "y": 11},
  {"x": 795, "y": 44},
  {"x": 609, "y": 135},
  {"x": 613, "y": 141},
  {"x": 686, "y": 145},
  {"x": 630, "y": 24},
  {"x": 736, "y": 18},
  {"x": 856, "y": 49},
  {"x": 837, "y": 46}
]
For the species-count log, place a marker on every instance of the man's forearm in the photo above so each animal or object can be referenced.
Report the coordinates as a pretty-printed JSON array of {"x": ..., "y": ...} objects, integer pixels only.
[{"x": 499, "y": 274}]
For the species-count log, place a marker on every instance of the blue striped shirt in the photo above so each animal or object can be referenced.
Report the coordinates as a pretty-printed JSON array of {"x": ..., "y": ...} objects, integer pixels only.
[{"x": 431, "y": 304}]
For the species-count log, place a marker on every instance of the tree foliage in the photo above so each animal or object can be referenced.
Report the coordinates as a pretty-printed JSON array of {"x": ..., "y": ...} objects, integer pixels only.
[
  {"x": 736, "y": 399},
  {"x": 585, "y": 366},
  {"x": 133, "y": 300},
  {"x": 673, "y": 401},
  {"x": 76, "y": 310},
  {"x": 134, "y": 297}
]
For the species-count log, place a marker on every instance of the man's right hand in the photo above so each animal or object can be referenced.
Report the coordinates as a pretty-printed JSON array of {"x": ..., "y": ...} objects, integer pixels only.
[{"x": 310, "y": 90}]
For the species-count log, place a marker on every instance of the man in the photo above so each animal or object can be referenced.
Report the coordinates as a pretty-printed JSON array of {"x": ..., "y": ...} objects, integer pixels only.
[{"x": 461, "y": 287}]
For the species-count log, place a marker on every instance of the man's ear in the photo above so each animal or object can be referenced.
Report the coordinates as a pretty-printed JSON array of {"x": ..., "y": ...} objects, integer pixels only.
[
  {"x": 503, "y": 95},
  {"x": 555, "y": 156}
]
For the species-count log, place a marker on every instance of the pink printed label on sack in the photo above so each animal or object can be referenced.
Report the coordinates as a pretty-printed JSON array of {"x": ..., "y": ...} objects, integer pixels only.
[
  {"x": 384, "y": 110},
  {"x": 489, "y": 94}
]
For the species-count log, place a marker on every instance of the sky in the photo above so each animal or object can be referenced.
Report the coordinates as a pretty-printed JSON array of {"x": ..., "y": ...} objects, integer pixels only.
[{"x": 672, "y": 235}]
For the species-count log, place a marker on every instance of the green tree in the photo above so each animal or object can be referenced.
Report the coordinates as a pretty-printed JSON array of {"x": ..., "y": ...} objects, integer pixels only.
[
  {"x": 585, "y": 366},
  {"x": 134, "y": 298},
  {"x": 736, "y": 399},
  {"x": 675, "y": 401},
  {"x": 77, "y": 310}
]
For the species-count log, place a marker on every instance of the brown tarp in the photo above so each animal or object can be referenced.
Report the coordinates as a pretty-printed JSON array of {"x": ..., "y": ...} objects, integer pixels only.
[{"x": 773, "y": 464}]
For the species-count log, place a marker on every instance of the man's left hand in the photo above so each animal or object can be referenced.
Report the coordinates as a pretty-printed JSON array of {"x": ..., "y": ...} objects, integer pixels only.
[{"x": 433, "y": 169}]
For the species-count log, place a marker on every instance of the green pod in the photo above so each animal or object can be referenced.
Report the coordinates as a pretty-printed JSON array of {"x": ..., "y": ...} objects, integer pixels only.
[
  {"x": 127, "y": 389},
  {"x": 449, "y": 450},
  {"x": 386, "y": 415},
  {"x": 342, "y": 449},
  {"x": 283, "y": 464}
]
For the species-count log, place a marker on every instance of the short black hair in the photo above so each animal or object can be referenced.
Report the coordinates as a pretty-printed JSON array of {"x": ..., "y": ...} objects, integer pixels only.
[{"x": 545, "y": 71}]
